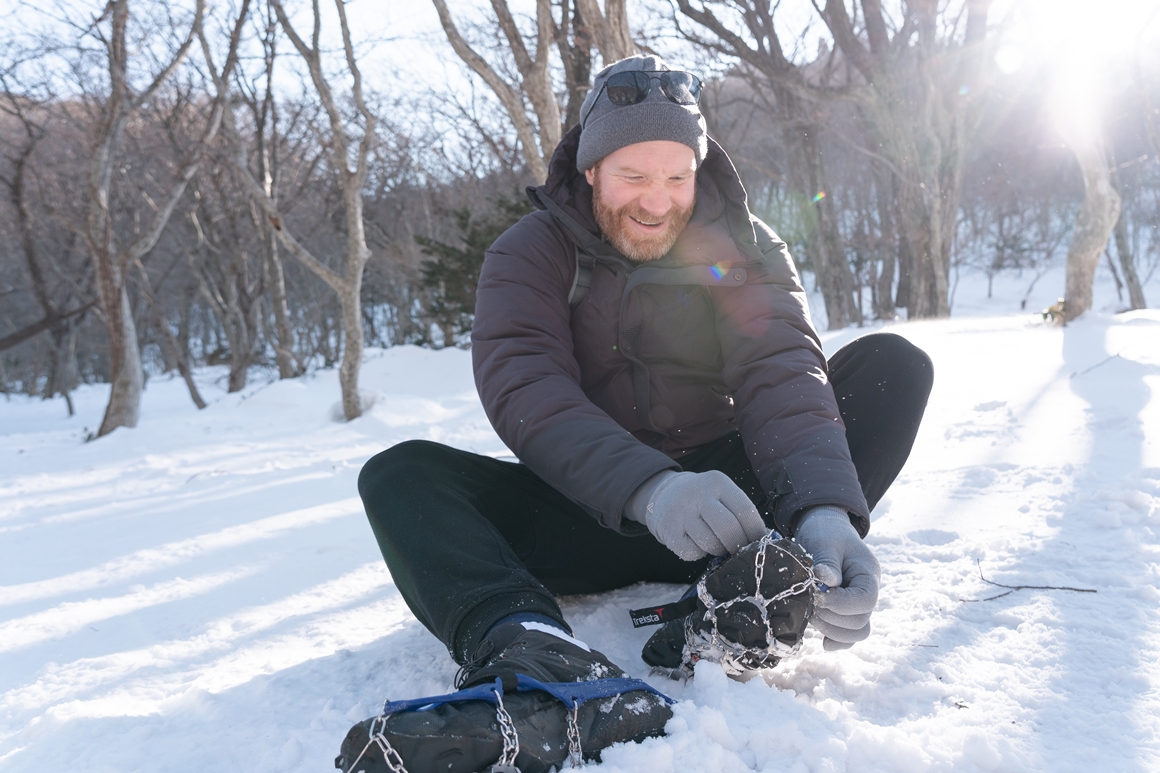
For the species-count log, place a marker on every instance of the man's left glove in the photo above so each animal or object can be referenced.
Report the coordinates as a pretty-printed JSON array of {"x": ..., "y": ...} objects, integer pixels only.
[{"x": 843, "y": 562}]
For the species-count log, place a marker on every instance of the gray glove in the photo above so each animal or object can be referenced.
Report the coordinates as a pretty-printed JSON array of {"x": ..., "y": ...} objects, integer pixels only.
[
  {"x": 844, "y": 563},
  {"x": 695, "y": 513}
]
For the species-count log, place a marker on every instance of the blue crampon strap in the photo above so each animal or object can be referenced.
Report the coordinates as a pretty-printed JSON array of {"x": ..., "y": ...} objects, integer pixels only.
[
  {"x": 581, "y": 692},
  {"x": 569, "y": 693},
  {"x": 483, "y": 692}
]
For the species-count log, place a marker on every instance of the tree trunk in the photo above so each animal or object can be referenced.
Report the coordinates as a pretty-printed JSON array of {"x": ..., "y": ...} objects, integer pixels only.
[
  {"x": 1128, "y": 264},
  {"x": 613, "y": 36},
  {"x": 915, "y": 223},
  {"x": 245, "y": 311},
  {"x": 62, "y": 375},
  {"x": 172, "y": 348},
  {"x": 126, "y": 374},
  {"x": 347, "y": 285},
  {"x": 351, "y": 356},
  {"x": 1093, "y": 225},
  {"x": 834, "y": 275},
  {"x": 574, "y": 41},
  {"x": 125, "y": 370},
  {"x": 276, "y": 280},
  {"x": 919, "y": 194},
  {"x": 887, "y": 248}
]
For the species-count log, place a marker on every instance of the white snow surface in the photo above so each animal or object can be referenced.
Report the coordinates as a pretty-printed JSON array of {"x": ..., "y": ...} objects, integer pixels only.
[{"x": 203, "y": 592}]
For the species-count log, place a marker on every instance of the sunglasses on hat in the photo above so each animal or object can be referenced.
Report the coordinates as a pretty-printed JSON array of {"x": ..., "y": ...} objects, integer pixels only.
[{"x": 633, "y": 86}]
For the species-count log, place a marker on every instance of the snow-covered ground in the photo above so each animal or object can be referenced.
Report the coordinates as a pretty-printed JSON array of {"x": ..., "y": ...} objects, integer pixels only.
[{"x": 203, "y": 593}]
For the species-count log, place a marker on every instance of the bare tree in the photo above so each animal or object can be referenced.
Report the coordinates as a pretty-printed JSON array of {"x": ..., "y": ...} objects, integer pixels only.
[
  {"x": 171, "y": 347},
  {"x": 613, "y": 37},
  {"x": 1123, "y": 245},
  {"x": 40, "y": 263},
  {"x": 768, "y": 69},
  {"x": 574, "y": 41},
  {"x": 264, "y": 112},
  {"x": 540, "y": 131},
  {"x": 113, "y": 259},
  {"x": 1095, "y": 220},
  {"x": 537, "y": 138},
  {"x": 229, "y": 276},
  {"x": 920, "y": 120},
  {"x": 347, "y": 283}
]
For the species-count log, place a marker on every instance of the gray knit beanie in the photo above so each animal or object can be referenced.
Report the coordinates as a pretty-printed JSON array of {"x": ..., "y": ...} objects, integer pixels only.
[{"x": 608, "y": 128}]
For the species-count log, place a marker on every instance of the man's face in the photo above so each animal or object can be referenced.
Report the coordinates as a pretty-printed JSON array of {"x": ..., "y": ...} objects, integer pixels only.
[{"x": 643, "y": 195}]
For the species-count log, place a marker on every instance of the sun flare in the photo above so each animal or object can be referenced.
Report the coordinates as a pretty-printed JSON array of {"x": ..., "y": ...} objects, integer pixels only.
[{"x": 1081, "y": 44}]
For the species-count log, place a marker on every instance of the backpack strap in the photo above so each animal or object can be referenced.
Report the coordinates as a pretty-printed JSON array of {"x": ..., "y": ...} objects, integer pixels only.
[
  {"x": 582, "y": 280},
  {"x": 583, "y": 242}
]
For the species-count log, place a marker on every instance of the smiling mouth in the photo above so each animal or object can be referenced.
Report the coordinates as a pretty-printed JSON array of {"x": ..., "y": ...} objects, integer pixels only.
[{"x": 649, "y": 225}]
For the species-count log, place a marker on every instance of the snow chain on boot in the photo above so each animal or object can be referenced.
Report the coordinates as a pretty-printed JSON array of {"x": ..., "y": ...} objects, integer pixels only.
[
  {"x": 575, "y": 753},
  {"x": 390, "y": 756},
  {"x": 691, "y": 628},
  {"x": 511, "y": 742},
  {"x": 733, "y": 657},
  {"x": 572, "y": 694},
  {"x": 507, "y": 758}
]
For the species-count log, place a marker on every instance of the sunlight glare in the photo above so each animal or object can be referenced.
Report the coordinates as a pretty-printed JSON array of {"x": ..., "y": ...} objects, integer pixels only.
[{"x": 1079, "y": 42}]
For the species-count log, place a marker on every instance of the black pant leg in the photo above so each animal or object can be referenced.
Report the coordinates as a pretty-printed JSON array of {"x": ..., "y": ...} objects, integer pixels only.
[
  {"x": 882, "y": 382},
  {"x": 470, "y": 539},
  {"x": 422, "y": 500}
]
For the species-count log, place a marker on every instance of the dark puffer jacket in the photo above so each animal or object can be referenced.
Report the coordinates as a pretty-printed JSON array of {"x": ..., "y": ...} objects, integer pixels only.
[{"x": 658, "y": 358}]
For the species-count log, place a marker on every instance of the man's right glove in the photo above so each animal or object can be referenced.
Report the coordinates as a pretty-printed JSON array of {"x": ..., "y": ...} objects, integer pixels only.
[
  {"x": 843, "y": 562},
  {"x": 696, "y": 513}
]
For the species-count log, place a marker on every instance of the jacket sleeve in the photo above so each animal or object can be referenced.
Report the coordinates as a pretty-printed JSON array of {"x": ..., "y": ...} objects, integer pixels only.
[
  {"x": 785, "y": 407},
  {"x": 529, "y": 381}
]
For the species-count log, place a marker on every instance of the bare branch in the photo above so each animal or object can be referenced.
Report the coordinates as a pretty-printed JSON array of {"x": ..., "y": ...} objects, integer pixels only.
[
  {"x": 256, "y": 190},
  {"x": 1013, "y": 588},
  {"x": 151, "y": 91},
  {"x": 47, "y": 323},
  {"x": 508, "y": 96},
  {"x": 611, "y": 31}
]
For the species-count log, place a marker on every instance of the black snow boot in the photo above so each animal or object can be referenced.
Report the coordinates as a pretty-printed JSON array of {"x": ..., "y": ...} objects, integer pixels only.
[
  {"x": 541, "y": 701},
  {"x": 746, "y": 612}
]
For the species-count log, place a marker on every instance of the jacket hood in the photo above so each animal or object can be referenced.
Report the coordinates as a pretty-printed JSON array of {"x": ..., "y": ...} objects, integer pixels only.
[{"x": 720, "y": 223}]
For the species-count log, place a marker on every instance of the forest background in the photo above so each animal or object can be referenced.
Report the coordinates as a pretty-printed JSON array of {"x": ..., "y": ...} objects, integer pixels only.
[{"x": 276, "y": 185}]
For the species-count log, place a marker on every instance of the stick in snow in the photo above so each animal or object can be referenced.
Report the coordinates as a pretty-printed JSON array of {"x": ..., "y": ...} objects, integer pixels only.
[{"x": 1013, "y": 588}]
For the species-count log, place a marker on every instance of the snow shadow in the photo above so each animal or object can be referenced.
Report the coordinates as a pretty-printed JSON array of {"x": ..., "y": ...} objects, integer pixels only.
[
  {"x": 1105, "y": 637},
  {"x": 1064, "y": 671}
]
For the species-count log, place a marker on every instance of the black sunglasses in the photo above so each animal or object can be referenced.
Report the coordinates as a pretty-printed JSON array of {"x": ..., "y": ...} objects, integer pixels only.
[{"x": 633, "y": 86}]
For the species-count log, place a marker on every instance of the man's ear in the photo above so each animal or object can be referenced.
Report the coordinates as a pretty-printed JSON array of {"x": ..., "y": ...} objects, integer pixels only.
[{"x": 590, "y": 175}]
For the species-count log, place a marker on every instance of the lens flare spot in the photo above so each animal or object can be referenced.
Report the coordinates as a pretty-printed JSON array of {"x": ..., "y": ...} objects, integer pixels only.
[
  {"x": 718, "y": 270},
  {"x": 1009, "y": 59},
  {"x": 819, "y": 196}
]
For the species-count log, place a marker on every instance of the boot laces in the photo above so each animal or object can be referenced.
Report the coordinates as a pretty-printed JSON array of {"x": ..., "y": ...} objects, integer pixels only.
[{"x": 479, "y": 658}]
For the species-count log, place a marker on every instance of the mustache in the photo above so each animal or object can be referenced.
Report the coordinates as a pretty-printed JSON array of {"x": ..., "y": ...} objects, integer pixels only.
[{"x": 641, "y": 215}]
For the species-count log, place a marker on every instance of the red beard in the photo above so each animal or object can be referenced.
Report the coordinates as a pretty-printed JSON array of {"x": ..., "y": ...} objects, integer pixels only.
[{"x": 615, "y": 224}]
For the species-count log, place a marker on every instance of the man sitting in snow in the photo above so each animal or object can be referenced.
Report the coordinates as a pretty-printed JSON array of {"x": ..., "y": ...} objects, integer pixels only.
[{"x": 643, "y": 345}]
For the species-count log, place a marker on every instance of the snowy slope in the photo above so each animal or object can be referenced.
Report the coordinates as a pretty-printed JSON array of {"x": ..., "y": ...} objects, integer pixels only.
[{"x": 203, "y": 593}]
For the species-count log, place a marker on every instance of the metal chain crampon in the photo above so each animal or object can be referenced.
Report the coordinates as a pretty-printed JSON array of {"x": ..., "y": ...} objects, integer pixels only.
[
  {"x": 511, "y": 742},
  {"x": 575, "y": 753},
  {"x": 507, "y": 728},
  {"x": 377, "y": 738},
  {"x": 735, "y": 658}
]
